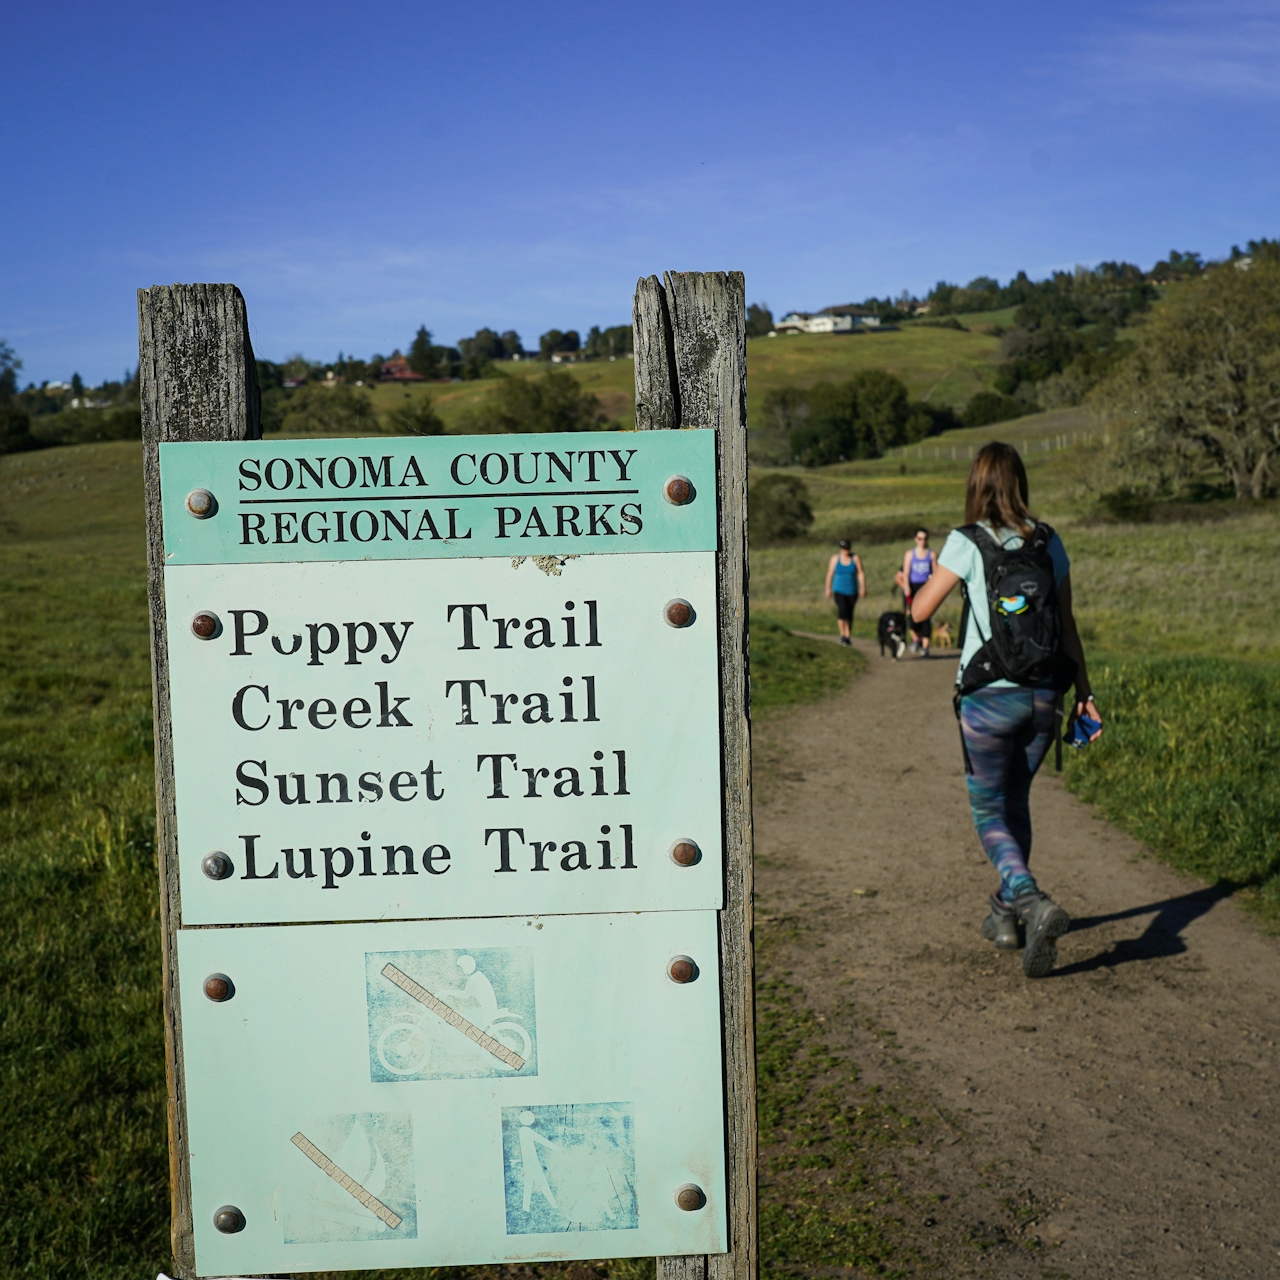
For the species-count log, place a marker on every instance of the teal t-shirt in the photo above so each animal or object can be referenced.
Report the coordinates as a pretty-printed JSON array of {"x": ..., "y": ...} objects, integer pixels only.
[{"x": 962, "y": 557}]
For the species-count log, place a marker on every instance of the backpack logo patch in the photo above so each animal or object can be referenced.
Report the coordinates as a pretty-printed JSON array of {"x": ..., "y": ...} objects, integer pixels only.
[{"x": 1012, "y": 605}]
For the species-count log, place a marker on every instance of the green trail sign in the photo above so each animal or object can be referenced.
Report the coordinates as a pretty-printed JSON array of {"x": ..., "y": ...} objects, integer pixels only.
[
  {"x": 454, "y": 837},
  {"x": 442, "y": 736}
]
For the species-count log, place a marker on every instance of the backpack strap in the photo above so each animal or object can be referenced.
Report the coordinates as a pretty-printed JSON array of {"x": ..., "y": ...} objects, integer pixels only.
[
  {"x": 979, "y": 671},
  {"x": 982, "y": 538},
  {"x": 1041, "y": 535}
]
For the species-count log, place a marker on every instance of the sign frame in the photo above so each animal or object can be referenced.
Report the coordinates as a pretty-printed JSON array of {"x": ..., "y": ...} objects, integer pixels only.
[{"x": 198, "y": 382}]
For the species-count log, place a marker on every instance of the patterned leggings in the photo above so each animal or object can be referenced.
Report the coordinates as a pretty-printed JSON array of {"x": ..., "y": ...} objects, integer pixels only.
[{"x": 1007, "y": 732}]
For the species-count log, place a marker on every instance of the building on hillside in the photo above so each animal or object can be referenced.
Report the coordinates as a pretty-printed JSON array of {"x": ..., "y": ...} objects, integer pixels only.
[
  {"x": 397, "y": 370},
  {"x": 861, "y": 317},
  {"x": 567, "y": 357},
  {"x": 808, "y": 322}
]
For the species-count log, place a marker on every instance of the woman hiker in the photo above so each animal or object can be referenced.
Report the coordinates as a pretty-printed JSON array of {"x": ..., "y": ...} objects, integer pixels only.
[
  {"x": 918, "y": 565},
  {"x": 1009, "y": 692},
  {"x": 845, "y": 583}
]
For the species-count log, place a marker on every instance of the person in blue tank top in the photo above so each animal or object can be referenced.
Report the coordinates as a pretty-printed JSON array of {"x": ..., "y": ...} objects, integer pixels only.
[
  {"x": 918, "y": 565},
  {"x": 845, "y": 583}
]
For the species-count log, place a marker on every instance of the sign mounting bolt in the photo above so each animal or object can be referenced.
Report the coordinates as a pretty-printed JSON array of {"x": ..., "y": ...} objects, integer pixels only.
[
  {"x": 690, "y": 1197},
  {"x": 684, "y": 853},
  {"x": 678, "y": 613},
  {"x": 201, "y": 503},
  {"x": 219, "y": 988},
  {"x": 216, "y": 865},
  {"x": 682, "y": 969},
  {"x": 679, "y": 491},
  {"x": 228, "y": 1220},
  {"x": 206, "y": 625}
]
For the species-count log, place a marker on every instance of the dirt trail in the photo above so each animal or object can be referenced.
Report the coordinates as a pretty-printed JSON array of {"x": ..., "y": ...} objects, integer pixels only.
[{"x": 1118, "y": 1118}]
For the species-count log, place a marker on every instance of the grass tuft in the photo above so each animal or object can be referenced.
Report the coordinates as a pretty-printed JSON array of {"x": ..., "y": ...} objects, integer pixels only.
[
  {"x": 787, "y": 669},
  {"x": 1187, "y": 764}
]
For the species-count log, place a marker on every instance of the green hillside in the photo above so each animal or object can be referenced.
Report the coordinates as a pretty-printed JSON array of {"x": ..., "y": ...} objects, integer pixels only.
[{"x": 942, "y": 366}]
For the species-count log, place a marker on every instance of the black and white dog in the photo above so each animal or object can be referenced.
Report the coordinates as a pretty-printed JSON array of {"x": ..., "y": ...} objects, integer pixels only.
[{"x": 892, "y": 632}]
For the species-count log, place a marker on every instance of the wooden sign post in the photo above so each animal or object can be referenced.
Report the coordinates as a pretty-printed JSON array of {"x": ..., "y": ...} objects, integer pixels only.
[{"x": 446, "y": 1038}]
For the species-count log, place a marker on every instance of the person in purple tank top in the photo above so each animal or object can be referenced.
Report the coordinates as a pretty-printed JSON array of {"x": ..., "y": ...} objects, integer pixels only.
[{"x": 918, "y": 565}]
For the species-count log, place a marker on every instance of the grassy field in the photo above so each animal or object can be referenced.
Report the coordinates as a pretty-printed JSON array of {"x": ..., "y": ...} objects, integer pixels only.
[
  {"x": 1185, "y": 660},
  {"x": 1173, "y": 589},
  {"x": 82, "y": 1151},
  {"x": 943, "y": 366}
]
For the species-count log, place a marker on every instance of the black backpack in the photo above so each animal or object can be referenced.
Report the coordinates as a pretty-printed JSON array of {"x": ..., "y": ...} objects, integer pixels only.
[{"x": 1025, "y": 644}]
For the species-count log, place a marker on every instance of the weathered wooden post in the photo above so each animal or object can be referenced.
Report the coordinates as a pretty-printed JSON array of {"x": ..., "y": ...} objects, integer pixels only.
[
  {"x": 472, "y": 1043},
  {"x": 198, "y": 381},
  {"x": 691, "y": 372}
]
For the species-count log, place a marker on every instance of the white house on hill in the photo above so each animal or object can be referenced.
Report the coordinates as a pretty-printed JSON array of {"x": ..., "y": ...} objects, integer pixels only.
[
  {"x": 807, "y": 322},
  {"x": 863, "y": 317},
  {"x": 844, "y": 319}
]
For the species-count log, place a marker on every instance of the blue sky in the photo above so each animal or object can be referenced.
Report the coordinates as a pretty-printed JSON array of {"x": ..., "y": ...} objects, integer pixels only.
[{"x": 361, "y": 170}]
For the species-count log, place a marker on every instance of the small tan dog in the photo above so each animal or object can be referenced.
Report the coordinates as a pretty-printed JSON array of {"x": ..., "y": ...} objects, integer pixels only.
[{"x": 942, "y": 635}]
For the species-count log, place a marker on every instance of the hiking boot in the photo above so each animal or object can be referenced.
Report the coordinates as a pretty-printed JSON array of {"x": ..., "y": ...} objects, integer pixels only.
[
  {"x": 845, "y": 640},
  {"x": 1001, "y": 926},
  {"x": 1044, "y": 922}
]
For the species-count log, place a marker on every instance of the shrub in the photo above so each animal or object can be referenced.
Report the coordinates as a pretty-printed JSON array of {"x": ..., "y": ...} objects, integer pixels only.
[
  {"x": 15, "y": 430},
  {"x": 991, "y": 406},
  {"x": 553, "y": 402},
  {"x": 86, "y": 426},
  {"x": 417, "y": 418},
  {"x": 860, "y": 418},
  {"x": 338, "y": 410},
  {"x": 1127, "y": 505},
  {"x": 779, "y": 509}
]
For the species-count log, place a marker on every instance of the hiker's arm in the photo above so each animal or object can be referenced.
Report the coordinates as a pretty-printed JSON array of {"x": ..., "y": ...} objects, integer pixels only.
[
  {"x": 862, "y": 578},
  {"x": 831, "y": 573},
  {"x": 1072, "y": 647},
  {"x": 925, "y": 602}
]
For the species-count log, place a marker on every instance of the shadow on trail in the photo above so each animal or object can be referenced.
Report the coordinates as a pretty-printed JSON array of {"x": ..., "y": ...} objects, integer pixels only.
[{"x": 1162, "y": 937}]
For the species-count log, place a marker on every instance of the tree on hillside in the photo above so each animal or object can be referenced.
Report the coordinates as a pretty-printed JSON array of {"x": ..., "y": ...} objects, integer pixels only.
[
  {"x": 9, "y": 366},
  {"x": 759, "y": 320},
  {"x": 882, "y": 407},
  {"x": 479, "y": 351},
  {"x": 990, "y": 406},
  {"x": 780, "y": 510},
  {"x": 840, "y": 421},
  {"x": 554, "y": 340},
  {"x": 1178, "y": 266},
  {"x": 15, "y": 422},
  {"x": 336, "y": 410},
  {"x": 1263, "y": 250},
  {"x": 553, "y": 402},
  {"x": 424, "y": 359},
  {"x": 785, "y": 409},
  {"x": 605, "y": 344},
  {"x": 417, "y": 417},
  {"x": 1203, "y": 387}
]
